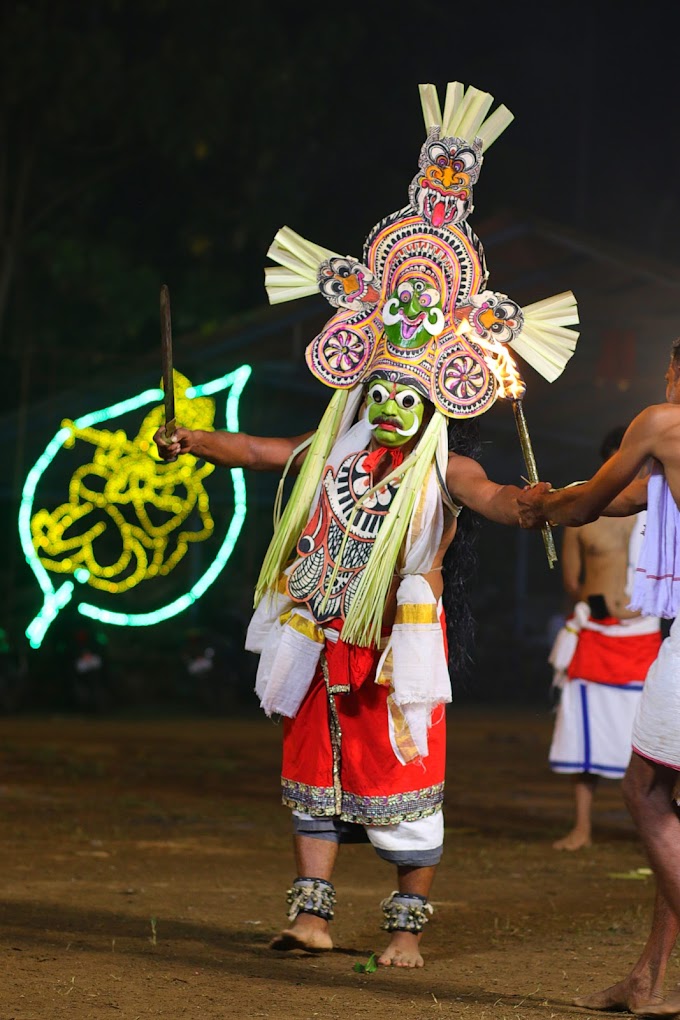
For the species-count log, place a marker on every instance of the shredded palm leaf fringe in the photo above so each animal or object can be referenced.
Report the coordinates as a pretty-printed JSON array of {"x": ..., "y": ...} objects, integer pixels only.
[
  {"x": 545, "y": 341},
  {"x": 465, "y": 113},
  {"x": 293, "y": 519},
  {"x": 297, "y": 272}
]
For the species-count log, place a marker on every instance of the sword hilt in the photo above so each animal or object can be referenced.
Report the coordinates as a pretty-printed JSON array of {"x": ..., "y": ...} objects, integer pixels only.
[{"x": 168, "y": 374}]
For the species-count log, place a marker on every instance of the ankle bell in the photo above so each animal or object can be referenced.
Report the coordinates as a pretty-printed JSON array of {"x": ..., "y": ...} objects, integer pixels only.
[{"x": 311, "y": 896}]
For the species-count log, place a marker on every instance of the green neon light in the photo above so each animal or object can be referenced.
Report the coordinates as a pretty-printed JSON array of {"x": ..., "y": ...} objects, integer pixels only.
[{"x": 54, "y": 600}]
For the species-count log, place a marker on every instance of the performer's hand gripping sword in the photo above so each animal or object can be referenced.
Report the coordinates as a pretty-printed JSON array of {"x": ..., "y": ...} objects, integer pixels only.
[
  {"x": 166, "y": 358},
  {"x": 532, "y": 474}
]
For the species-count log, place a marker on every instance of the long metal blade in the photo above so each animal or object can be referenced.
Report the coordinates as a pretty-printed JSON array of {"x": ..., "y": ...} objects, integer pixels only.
[{"x": 166, "y": 357}]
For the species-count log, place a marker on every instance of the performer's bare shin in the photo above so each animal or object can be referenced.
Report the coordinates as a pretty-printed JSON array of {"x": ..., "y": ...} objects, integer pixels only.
[
  {"x": 404, "y": 947},
  {"x": 314, "y": 858}
]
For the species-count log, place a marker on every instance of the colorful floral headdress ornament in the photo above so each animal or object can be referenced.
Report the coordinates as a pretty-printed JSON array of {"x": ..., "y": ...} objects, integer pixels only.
[
  {"x": 415, "y": 309},
  {"x": 416, "y": 306}
]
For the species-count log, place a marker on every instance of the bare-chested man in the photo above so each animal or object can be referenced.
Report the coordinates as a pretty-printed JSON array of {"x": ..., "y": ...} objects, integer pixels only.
[
  {"x": 601, "y": 658},
  {"x": 650, "y": 781},
  {"x": 358, "y": 765}
]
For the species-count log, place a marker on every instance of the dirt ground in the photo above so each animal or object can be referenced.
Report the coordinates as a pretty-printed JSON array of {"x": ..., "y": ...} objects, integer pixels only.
[{"x": 144, "y": 867}]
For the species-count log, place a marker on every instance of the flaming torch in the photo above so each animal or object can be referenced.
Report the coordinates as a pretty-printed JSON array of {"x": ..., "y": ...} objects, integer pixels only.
[
  {"x": 511, "y": 384},
  {"x": 532, "y": 473}
]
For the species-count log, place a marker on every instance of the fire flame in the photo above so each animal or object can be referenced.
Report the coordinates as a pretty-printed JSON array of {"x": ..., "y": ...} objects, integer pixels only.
[{"x": 499, "y": 361}]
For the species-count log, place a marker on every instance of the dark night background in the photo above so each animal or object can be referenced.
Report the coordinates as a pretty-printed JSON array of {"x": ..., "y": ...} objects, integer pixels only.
[{"x": 159, "y": 141}]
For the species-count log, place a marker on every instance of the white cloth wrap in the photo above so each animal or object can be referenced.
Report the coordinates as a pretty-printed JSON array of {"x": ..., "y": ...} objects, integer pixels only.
[
  {"x": 288, "y": 662},
  {"x": 593, "y": 728},
  {"x": 656, "y": 733},
  {"x": 267, "y": 614},
  {"x": 420, "y": 673},
  {"x": 420, "y": 834},
  {"x": 634, "y": 549}
]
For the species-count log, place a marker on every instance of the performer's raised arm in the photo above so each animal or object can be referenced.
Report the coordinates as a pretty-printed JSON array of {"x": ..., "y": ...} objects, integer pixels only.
[
  {"x": 469, "y": 485},
  {"x": 232, "y": 449}
]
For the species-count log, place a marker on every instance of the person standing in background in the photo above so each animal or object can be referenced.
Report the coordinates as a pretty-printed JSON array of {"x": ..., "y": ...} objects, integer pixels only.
[{"x": 600, "y": 657}]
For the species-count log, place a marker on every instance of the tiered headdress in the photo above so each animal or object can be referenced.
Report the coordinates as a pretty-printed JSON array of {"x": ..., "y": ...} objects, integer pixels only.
[
  {"x": 458, "y": 359},
  {"x": 415, "y": 309}
]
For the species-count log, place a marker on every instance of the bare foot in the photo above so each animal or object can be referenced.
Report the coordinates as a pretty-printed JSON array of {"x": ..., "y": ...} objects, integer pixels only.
[
  {"x": 307, "y": 932},
  {"x": 574, "y": 840},
  {"x": 403, "y": 951},
  {"x": 630, "y": 994},
  {"x": 667, "y": 1007}
]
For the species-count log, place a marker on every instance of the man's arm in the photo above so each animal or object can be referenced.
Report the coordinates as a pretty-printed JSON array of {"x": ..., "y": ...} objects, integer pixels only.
[
  {"x": 580, "y": 504},
  {"x": 468, "y": 484},
  {"x": 630, "y": 501},
  {"x": 232, "y": 449}
]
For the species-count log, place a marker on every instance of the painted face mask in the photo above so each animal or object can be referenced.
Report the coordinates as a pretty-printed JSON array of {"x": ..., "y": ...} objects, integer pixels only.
[
  {"x": 442, "y": 189},
  {"x": 413, "y": 314},
  {"x": 395, "y": 412}
]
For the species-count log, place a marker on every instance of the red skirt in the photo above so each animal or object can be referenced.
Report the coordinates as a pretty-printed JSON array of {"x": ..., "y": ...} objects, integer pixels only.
[{"x": 337, "y": 755}]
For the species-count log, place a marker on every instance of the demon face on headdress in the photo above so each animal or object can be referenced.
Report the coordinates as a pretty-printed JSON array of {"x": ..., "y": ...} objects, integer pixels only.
[
  {"x": 346, "y": 283},
  {"x": 441, "y": 191},
  {"x": 495, "y": 317},
  {"x": 417, "y": 304}
]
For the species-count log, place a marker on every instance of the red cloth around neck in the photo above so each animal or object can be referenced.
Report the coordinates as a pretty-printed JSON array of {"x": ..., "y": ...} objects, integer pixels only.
[{"x": 371, "y": 460}]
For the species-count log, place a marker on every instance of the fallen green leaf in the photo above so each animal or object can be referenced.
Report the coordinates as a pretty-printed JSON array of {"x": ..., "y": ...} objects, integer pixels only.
[
  {"x": 369, "y": 967},
  {"x": 636, "y": 873}
]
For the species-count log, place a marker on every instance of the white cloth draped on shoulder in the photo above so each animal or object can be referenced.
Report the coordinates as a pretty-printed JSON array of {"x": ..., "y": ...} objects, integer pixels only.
[{"x": 656, "y": 589}]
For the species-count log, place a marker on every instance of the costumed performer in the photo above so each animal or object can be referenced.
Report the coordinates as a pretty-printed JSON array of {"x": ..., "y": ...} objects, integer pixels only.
[
  {"x": 600, "y": 657},
  {"x": 650, "y": 783},
  {"x": 349, "y": 621}
]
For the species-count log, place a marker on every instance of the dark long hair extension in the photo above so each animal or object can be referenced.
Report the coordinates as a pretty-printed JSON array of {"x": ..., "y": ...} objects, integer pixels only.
[{"x": 460, "y": 561}]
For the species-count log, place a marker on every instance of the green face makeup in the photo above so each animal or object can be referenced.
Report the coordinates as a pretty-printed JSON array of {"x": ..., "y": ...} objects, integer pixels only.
[{"x": 395, "y": 412}]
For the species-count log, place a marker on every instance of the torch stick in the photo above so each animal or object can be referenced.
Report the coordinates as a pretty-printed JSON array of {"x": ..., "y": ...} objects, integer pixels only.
[
  {"x": 166, "y": 359},
  {"x": 532, "y": 472}
]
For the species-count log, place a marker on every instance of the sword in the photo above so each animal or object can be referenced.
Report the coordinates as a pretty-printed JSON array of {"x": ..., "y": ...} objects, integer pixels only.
[{"x": 166, "y": 359}]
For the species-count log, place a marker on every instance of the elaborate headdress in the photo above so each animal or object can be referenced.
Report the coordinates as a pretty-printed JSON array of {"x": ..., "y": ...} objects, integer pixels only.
[
  {"x": 457, "y": 357},
  {"x": 416, "y": 309}
]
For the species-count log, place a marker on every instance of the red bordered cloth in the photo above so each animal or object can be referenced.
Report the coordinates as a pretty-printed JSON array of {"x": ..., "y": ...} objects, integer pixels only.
[
  {"x": 614, "y": 659},
  {"x": 376, "y": 787}
]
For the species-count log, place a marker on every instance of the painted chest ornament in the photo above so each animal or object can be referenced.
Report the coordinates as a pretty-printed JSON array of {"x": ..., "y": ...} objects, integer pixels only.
[{"x": 333, "y": 527}]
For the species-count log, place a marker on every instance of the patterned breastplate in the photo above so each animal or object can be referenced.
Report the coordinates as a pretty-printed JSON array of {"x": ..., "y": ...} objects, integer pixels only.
[{"x": 319, "y": 544}]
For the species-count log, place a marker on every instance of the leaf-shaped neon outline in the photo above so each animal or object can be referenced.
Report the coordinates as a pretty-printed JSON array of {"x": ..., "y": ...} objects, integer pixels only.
[{"x": 56, "y": 599}]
